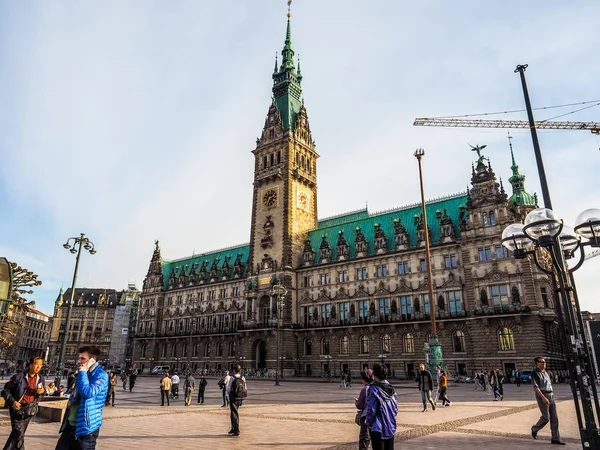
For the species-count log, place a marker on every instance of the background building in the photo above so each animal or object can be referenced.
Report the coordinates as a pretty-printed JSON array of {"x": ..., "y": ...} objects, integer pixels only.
[
  {"x": 124, "y": 325},
  {"x": 34, "y": 337},
  {"x": 91, "y": 323},
  {"x": 356, "y": 283}
]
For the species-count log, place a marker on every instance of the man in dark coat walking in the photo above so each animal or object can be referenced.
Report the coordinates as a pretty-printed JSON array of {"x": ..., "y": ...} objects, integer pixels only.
[
  {"x": 425, "y": 381},
  {"x": 201, "y": 388},
  {"x": 21, "y": 394}
]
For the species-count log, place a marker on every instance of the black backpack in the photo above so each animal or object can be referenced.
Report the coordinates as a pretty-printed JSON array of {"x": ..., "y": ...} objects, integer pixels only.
[{"x": 238, "y": 389}]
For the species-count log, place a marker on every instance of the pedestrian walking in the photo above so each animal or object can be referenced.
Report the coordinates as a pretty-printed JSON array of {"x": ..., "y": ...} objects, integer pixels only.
[
  {"x": 132, "y": 379},
  {"x": 21, "y": 394},
  {"x": 425, "y": 386},
  {"x": 189, "y": 385},
  {"x": 175, "y": 385},
  {"x": 500, "y": 382},
  {"x": 165, "y": 389},
  {"x": 349, "y": 380},
  {"x": 495, "y": 385},
  {"x": 237, "y": 391},
  {"x": 83, "y": 418},
  {"x": 518, "y": 378},
  {"x": 112, "y": 389},
  {"x": 443, "y": 389},
  {"x": 364, "y": 438},
  {"x": 381, "y": 411},
  {"x": 124, "y": 379},
  {"x": 201, "y": 388},
  {"x": 542, "y": 386},
  {"x": 223, "y": 384}
]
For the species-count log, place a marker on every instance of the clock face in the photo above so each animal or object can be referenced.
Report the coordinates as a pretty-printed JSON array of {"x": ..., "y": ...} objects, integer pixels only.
[
  {"x": 269, "y": 198},
  {"x": 303, "y": 200}
]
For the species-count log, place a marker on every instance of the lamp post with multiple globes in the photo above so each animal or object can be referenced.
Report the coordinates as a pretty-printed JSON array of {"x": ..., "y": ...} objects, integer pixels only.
[{"x": 544, "y": 235}]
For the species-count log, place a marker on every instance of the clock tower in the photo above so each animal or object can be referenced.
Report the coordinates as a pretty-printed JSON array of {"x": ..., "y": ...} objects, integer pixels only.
[{"x": 284, "y": 201}]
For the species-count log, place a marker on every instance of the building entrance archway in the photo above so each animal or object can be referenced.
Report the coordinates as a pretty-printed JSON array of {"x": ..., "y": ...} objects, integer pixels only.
[{"x": 260, "y": 354}]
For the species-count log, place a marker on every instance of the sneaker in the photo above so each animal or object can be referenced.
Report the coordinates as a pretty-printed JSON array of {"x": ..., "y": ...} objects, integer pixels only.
[
  {"x": 433, "y": 406},
  {"x": 424, "y": 409},
  {"x": 230, "y": 432},
  {"x": 450, "y": 404},
  {"x": 235, "y": 434},
  {"x": 442, "y": 406}
]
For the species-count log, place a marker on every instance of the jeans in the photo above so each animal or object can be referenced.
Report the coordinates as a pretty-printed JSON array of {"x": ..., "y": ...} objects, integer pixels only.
[
  {"x": 16, "y": 440},
  {"x": 67, "y": 440},
  {"x": 175, "y": 390},
  {"x": 364, "y": 439},
  {"x": 235, "y": 416},
  {"x": 225, "y": 397},
  {"x": 164, "y": 394},
  {"x": 201, "y": 396},
  {"x": 548, "y": 415},
  {"x": 426, "y": 397},
  {"x": 110, "y": 397},
  {"x": 443, "y": 396},
  {"x": 188, "y": 396},
  {"x": 382, "y": 444}
]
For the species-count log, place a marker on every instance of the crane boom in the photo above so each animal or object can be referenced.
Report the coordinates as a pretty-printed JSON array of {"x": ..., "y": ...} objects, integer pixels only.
[
  {"x": 594, "y": 127},
  {"x": 592, "y": 254}
]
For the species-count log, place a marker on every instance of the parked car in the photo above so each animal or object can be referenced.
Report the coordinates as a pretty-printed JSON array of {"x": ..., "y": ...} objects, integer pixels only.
[
  {"x": 160, "y": 370},
  {"x": 525, "y": 376}
]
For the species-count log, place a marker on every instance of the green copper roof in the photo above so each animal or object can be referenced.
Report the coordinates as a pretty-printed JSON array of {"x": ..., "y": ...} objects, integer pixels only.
[
  {"x": 287, "y": 91},
  {"x": 343, "y": 218},
  {"x": 330, "y": 228},
  {"x": 519, "y": 196},
  {"x": 186, "y": 264}
]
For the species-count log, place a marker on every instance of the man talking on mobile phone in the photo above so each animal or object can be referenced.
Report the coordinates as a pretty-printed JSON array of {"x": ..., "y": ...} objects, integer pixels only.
[{"x": 83, "y": 418}]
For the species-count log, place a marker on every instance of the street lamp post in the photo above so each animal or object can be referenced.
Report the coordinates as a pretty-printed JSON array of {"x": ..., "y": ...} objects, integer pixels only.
[
  {"x": 279, "y": 290},
  {"x": 543, "y": 232},
  {"x": 79, "y": 242},
  {"x": 242, "y": 359},
  {"x": 435, "y": 348}
]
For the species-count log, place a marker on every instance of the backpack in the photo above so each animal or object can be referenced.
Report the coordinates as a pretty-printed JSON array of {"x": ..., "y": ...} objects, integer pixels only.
[
  {"x": 221, "y": 383},
  {"x": 239, "y": 391}
]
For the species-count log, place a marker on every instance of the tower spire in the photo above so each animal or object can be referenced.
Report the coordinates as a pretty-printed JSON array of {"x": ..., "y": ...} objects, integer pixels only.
[{"x": 517, "y": 181}]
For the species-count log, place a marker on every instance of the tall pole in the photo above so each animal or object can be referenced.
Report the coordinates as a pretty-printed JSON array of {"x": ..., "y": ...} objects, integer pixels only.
[
  {"x": 63, "y": 344},
  {"x": 419, "y": 155},
  {"x": 534, "y": 137}
]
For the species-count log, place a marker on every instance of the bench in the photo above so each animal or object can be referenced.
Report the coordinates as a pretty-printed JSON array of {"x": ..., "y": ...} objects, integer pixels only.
[{"x": 52, "y": 410}]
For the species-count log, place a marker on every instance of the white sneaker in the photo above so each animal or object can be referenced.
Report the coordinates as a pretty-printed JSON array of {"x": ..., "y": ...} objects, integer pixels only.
[
  {"x": 442, "y": 406},
  {"x": 450, "y": 404}
]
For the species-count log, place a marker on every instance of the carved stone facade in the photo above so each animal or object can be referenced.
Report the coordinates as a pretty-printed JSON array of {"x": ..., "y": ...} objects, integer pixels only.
[{"x": 356, "y": 283}]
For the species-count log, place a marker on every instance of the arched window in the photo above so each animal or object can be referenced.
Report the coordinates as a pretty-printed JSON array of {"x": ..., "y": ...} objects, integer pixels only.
[
  {"x": 441, "y": 303},
  {"x": 325, "y": 346},
  {"x": 458, "y": 342},
  {"x": 364, "y": 344},
  {"x": 506, "y": 340},
  {"x": 344, "y": 343},
  {"x": 196, "y": 350},
  {"x": 219, "y": 348},
  {"x": 144, "y": 348},
  {"x": 164, "y": 351},
  {"x": 231, "y": 351},
  {"x": 386, "y": 344},
  {"x": 184, "y": 350},
  {"x": 174, "y": 351},
  {"x": 486, "y": 220},
  {"x": 207, "y": 350},
  {"x": 492, "y": 218},
  {"x": 307, "y": 347},
  {"x": 409, "y": 343}
]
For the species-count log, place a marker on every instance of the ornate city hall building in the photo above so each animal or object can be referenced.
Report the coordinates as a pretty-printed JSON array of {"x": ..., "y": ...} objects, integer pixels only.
[{"x": 355, "y": 287}]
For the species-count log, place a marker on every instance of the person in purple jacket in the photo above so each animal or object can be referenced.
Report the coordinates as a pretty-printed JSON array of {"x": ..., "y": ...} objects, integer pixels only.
[
  {"x": 381, "y": 411},
  {"x": 364, "y": 439}
]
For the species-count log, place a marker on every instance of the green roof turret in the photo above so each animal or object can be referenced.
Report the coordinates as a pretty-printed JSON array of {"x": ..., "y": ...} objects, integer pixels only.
[
  {"x": 286, "y": 83},
  {"x": 517, "y": 181}
]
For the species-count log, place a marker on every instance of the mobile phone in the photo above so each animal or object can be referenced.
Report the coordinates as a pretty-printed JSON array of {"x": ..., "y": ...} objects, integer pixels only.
[{"x": 91, "y": 362}]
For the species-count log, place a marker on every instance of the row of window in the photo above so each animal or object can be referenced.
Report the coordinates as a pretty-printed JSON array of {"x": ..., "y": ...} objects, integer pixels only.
[
  {"x": 505, "y": 337},
  {"x": 489, "y": 253},
  {"x": 210, "y": 295},
  {"x": 272, "y": 158},
  {"x": 450, "y": 262},
  {"x": 173, "y": 350},
  {"x": 405, "y": 305}
]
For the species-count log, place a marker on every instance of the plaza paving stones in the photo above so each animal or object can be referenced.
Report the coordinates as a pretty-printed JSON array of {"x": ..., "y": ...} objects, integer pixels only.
[{"x": 309, "y": 415}]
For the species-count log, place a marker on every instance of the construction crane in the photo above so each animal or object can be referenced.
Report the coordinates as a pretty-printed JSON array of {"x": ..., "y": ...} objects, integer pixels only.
[
  {"x": 594, "y": 127},
  {"x": 593, "y": 254}
]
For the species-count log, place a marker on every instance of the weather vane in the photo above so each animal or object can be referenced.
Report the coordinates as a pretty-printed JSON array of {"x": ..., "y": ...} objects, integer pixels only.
[
  {"x": 289, "y": 8},
  {"x": 478, "y": 149}
]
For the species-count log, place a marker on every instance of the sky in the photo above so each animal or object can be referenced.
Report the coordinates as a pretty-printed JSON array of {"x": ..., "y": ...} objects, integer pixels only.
[{"x": 134, "y": 120}]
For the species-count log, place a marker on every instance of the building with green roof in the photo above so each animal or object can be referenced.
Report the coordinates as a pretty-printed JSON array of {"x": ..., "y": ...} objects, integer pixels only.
[{"x": 307, "y": 295}]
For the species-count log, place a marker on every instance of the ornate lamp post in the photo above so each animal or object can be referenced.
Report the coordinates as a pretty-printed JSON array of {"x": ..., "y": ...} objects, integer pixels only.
[
  {"x": 435, "y": 348},
  {"x": 544, "y": 234},
  {"x": 70, "y": 245},
  {"x": 279, "y": 290}
]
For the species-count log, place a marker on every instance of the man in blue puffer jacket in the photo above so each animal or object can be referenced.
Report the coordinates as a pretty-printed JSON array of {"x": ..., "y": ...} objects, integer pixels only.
[
  {"x": 381, "y": 411},
  {"x": 83, "y": 418}
]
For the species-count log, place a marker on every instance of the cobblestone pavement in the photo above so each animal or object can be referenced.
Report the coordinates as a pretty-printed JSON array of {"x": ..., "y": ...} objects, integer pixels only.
[{"x": 310, "y": 415}]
